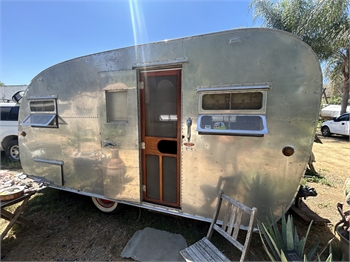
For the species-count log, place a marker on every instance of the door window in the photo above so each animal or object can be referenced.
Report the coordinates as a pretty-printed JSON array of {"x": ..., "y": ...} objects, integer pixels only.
[{"x": 161, "y": 111}]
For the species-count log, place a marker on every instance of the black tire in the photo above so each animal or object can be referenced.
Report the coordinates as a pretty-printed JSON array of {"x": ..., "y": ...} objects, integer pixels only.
[
  {"x": 12, "y": 151},
  {"x": 326, "y": 131},
  {"x": 107, "y": 206}
]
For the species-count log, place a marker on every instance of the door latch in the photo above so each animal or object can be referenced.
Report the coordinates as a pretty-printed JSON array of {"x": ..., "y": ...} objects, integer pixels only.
[{"x": 189, "y": 124}]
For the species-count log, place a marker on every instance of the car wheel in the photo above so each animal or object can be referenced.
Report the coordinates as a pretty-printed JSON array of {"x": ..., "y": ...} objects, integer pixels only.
[
  {"x": 107, "y": 206},
  {"x": 325, "y": 131},
  {"x": 12, "y": 150}
]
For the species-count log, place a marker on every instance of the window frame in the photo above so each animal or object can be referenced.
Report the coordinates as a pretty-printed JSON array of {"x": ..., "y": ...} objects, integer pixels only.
[
  {"x": 260, "y": 132},
  {"x": 51, "y": 115},
  {"x": 261, "y": 112},
  {"x": 107, "y": 101}
]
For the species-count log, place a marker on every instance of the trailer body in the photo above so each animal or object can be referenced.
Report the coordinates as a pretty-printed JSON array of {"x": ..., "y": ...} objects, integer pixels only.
[{"x": 166, "y": 125}]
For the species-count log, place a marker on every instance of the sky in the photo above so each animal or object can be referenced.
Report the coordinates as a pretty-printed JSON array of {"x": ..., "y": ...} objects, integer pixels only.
[{"x": 38, "y": 34}]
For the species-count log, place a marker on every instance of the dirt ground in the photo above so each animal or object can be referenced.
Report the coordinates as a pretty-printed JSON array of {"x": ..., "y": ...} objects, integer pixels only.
[{"x": 71, "y": 229}]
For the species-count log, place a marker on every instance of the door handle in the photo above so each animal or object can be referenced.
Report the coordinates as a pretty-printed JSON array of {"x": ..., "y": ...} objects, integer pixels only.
[
  {"x": 189, "y": 124},
  {"x": 109, "y": 144}
]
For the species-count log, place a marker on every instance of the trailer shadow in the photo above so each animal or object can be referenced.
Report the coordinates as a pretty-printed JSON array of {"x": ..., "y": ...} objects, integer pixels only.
[{"x": 73, "y": 229}]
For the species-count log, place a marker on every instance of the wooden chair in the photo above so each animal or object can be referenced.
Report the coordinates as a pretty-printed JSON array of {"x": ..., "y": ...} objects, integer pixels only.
[{"x": 204, "y": 250}]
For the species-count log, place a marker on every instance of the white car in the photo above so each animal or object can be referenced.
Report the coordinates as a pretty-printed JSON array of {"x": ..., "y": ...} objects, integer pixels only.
[
  {"x": 9, "y": 130},
  {"x": 339, "y": 125}
]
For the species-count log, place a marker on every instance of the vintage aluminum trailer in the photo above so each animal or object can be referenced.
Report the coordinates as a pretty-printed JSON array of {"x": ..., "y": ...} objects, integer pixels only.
[{"x": 165, "y": 125}]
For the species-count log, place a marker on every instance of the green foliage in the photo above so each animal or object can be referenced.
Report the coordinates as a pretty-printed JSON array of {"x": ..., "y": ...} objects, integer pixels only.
[
  {"x": 319, "y": 180},
  {"x": 323, "y": 25},
  {"x": 288, "y": 241},
  {"x": 6, "y": 163},
  {"x": 335, "y": 100},
  {"x": 280, "y": 243},
  {"x": 1, "y": 83},
  {"x": 347, "y": 191}
]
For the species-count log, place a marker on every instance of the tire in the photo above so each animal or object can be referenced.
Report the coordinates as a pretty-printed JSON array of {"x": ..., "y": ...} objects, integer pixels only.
[
  {"x": 326, "y": 131},
  {"x": 12, "y": 151},
  {"x": 107, "y": 206}
]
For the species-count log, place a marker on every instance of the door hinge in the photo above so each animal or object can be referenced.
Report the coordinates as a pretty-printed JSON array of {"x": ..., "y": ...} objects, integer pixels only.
[
  {"x": 144, "y": 188},
  {"x": 143, "y": 145},
  {"x": 142, "y": 85}
]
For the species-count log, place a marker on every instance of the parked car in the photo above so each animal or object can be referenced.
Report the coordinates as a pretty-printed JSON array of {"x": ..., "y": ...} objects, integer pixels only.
[
  {"x": 9, "y": 130},
  {"x": 339, "y": 125}
]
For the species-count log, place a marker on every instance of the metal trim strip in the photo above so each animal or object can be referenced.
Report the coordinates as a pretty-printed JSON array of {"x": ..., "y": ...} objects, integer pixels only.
[
  {"x": 42, "y": 97},
  {"x": 49, "y": 161},
  {"x": 228, "y": 88},
  {"x": 161, "y": 63}
]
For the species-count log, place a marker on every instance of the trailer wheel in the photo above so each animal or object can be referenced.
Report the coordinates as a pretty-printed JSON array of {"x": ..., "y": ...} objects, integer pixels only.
[
  {"x": 107, "y": 206},
  {"x": 326, "y": 131}
]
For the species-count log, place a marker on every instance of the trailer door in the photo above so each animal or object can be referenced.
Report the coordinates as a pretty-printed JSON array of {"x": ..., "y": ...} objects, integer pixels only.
[{"x": 160, "y": 134}]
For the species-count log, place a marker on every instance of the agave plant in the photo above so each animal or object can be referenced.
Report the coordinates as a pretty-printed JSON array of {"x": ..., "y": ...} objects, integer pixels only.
[{"x": 285, "y": 245}]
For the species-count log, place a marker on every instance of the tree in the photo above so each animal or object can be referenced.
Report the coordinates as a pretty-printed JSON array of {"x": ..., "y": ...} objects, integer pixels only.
[
  {"x": 323, "y": 24},
  {"x": 1, "y": 83}
]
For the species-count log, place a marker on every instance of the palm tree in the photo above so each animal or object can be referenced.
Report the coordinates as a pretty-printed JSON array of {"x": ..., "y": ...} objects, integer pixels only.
[{"x": 323, "y": 24}]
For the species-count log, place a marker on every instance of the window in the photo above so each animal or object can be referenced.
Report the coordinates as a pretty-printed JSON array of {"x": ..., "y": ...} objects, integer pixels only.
[
  {"x": 232, "y": 124},
  {"x": 9, "y": 113},
  {"x": 42, "y": 106},
  {"x": 117, "y": 107},
  {"x": 43, "y": 112},
  {"x": 232, "y": 101},
  {"x": 236, "y": 110},
  {"x": 343, "y": 118}
]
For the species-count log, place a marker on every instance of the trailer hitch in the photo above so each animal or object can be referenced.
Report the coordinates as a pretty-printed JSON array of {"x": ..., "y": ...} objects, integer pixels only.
[{"x": 304, "y": 192}]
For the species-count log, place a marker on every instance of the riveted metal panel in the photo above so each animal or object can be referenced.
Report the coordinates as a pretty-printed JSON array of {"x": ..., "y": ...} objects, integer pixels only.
[{"x": 252, "y": 170}]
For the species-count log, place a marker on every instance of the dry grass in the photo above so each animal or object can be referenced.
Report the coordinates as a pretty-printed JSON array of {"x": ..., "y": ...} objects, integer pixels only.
[{"x": 73, "y": 229}]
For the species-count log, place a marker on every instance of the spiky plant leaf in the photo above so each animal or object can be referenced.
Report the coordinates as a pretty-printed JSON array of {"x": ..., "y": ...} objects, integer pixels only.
[
  {"x": 264, "y": 231},
  {"x": 296, "y": 240},
  {"x": 283, "y": 257},
  {"x": 303, "y": 240},
  {"x": 270, "y": 238},
  {"x": 312, "y": 252},
  {"x": 264, "y": 245},
  {"x": 329, "y": 258},
  {"x": 278, "y": 237},
  {"x": 289, "y": 234},
  {"x": 284, "y": 231}
]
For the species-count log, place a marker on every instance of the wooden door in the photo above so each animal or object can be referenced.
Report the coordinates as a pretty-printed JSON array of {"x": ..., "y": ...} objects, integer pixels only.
[{"x": 161, "y": 136}]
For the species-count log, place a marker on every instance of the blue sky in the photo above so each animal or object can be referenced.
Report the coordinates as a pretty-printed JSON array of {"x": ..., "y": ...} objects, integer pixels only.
[{"x": 38, "y": 34}]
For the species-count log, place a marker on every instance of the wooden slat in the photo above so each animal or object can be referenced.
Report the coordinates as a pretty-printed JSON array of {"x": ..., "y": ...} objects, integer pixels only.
[
  {"x": 203, "y": 250},
  {"x": 231, "y": 220},
  {"x": 237, "y": 203},
  {"x": 237, "y": 224},
  {"x": 229, "y": 238},
  {"x": 193, "y": 254},
  {"x": 216, "y": 215},
  {"x": 8, "y": 216},
  {"x": 16, "y": 214},
  {"x": 217, "y": 254},
  {"x": 227, "y": 216}
]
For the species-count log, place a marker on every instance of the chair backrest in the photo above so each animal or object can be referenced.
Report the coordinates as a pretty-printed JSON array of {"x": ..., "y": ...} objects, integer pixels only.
[{"x": 232, "y": 222}]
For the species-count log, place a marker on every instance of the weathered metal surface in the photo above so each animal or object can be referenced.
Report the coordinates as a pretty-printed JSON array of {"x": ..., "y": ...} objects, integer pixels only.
[{"x": 250, "y": 169}]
